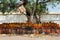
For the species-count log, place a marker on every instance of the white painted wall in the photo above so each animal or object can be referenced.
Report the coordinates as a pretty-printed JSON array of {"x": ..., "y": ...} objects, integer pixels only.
[
  {"x": 13, "y": 18},
  {"x": 53, "y": 18}
]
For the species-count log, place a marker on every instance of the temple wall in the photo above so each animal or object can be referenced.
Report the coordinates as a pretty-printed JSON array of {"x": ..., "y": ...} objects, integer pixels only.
[
  {"x": 12, "y": 18},
  {"x": 23, "y": 18},
  {"x": 51, "y": 17}
]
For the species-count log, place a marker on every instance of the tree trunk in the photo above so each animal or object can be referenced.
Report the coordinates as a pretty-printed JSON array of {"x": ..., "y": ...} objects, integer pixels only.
[
  {"x": 40, "y": 19},
  {"x": 35, "y": 12}
]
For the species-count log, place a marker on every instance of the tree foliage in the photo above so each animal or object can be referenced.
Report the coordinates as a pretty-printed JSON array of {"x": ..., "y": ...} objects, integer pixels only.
[
  {"x": 7, "y": 5},
  {"x": 39, "y": 6},
  {"x": 36, "y": 6}
]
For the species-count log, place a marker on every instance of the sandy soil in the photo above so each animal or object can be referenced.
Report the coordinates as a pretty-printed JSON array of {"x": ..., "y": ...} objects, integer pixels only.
[{"x": 27, "y": 37}]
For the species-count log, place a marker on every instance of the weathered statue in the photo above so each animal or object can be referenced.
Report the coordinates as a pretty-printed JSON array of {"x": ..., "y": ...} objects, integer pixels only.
[{"x": 20, "y": 8}]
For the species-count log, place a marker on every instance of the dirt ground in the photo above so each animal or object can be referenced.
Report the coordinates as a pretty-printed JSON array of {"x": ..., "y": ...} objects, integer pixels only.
[{"x": 28, "y": 37}]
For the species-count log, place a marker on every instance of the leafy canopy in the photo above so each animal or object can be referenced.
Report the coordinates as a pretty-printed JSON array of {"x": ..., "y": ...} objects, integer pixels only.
[{"x": 36, "y": 6}]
